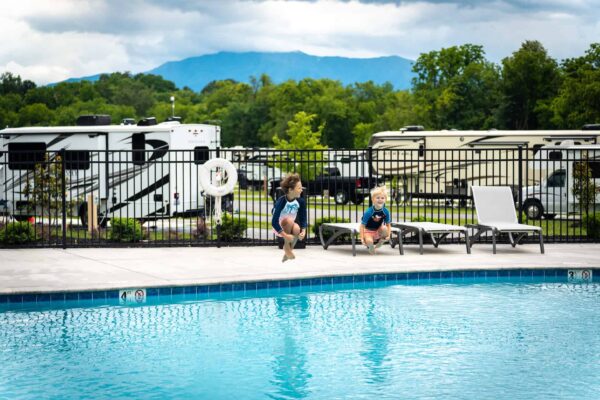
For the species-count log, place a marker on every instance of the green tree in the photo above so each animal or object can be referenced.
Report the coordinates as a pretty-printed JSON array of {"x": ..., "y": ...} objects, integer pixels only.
[
  {"x": 584, "y": 187},
  {"x": 37, "y": 114},
  {"x": 530, "y": 80},
  {"x": 10, "y": 83},
  {"x": 456, "y": 87},
  {"x": 578, "y": 100},
  {"x": 44, "y": 190},
  {"x": 301, "y": 137}
]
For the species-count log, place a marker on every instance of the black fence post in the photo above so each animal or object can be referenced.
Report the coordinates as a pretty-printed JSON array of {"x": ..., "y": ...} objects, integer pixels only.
[
  {"x": 370, "y": 152},
  {"x": 520, "y": 193},
  {"x": 215, "y": 205},
  {"x": 63, "y": 195}
]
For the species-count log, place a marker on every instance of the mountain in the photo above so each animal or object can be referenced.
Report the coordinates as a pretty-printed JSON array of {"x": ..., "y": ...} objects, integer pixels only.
[{"x": 197, "y": 72}]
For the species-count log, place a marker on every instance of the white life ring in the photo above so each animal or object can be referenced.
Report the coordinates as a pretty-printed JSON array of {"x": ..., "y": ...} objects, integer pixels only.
[{"x": 216, "y": 189}]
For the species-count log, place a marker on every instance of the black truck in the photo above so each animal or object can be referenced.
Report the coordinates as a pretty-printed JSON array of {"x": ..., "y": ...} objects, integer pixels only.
[{"x": 331, "y": 183}]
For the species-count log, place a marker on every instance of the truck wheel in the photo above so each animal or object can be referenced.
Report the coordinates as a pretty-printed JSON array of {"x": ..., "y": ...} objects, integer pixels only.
[
  {"x": 341, "y": 197},
  {"x": 358, "y": 200},
  {"x": 533, "y": 209}
]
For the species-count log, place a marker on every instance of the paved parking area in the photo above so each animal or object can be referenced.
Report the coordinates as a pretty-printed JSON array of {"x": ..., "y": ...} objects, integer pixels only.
[{"x": 54, "y": 270}]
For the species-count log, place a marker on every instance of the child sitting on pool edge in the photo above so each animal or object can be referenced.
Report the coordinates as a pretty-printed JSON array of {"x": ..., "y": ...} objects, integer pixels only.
[
  {"x": 287, "y": 207},
  {"x": 374, "y": 227}
]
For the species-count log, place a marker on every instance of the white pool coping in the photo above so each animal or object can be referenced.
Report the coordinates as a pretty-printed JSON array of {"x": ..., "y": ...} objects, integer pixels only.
[{"x": 54, "y": 270}]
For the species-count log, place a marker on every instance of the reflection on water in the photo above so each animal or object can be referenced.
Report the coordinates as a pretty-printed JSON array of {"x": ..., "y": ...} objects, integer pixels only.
[{"x": 390, "y": 341}]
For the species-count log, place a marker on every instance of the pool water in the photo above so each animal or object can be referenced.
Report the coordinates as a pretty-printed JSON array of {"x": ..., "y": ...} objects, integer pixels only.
[{"x": 472, "y": 340}]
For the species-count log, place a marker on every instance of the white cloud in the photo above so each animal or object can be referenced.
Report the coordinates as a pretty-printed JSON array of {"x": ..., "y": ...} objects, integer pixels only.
[{"x": 50, "y": 41}]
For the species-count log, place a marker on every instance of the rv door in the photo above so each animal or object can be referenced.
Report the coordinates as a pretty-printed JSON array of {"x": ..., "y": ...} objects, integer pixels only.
[{"x": 557, "y": 193}]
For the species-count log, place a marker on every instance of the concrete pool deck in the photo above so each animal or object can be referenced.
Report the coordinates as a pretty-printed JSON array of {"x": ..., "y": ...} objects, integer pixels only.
[{"x": 54, "y": 270}]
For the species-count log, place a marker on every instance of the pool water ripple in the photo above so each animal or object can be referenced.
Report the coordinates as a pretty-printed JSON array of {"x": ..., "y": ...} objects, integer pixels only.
[{"x": 378, "y": 340}]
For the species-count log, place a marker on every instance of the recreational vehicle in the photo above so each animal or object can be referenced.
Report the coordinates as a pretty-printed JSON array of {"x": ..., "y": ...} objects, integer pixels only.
[
  {"x": 141, "y": 171},
  {"x": 444, "y": 164},
  {"x": 559, "y": 175}
]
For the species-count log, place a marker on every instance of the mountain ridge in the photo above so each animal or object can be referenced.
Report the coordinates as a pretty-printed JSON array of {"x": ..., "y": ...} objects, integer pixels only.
[{"x": 196, "y": 72}]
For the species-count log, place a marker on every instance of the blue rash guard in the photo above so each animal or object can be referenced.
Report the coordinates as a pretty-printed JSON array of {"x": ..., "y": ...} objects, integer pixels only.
[
  {"x": 374, "y": 218},
  {"x": 288, "y": 209}
]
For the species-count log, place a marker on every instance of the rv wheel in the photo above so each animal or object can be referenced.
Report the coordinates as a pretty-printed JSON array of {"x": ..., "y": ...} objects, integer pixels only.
[
  {"x": 341, "y": 197},
  {"x": 533, "y": 209}
]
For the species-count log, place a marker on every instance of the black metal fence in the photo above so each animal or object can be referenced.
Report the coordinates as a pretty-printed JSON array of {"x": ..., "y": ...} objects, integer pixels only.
[{"x": 75, "y": 198}]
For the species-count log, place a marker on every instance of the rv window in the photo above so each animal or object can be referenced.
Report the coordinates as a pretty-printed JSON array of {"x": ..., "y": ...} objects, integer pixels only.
[
  {"x": 557, "y": 179},
  {"x": 536, "y": 148},
  {"x": 555, "y": 156},
  {"x": 138, "y": 145},
  {"x": 77, "y": 159},
  {"x": 25, "y": 155},
  {"x": 201, "y": 154}
]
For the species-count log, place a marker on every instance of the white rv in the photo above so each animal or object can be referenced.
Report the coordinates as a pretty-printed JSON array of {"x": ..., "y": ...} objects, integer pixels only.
[
  {"x": 139, "y": 171},
  {"x": 444, "y": 164},
  {"x": 556, "y": 166}
]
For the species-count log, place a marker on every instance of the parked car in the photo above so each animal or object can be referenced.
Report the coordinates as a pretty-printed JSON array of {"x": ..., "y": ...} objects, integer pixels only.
[{"x": 331, "y": 183}]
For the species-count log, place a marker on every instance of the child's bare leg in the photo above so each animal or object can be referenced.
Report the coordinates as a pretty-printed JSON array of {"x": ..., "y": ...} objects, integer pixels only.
[
  {"x": 383, "y": 234},
  {"x": 369, "y": 243},
  {"x": 288, "y": 227}
]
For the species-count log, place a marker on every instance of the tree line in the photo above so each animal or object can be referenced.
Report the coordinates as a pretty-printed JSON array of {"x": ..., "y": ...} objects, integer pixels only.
[{"x": 453, "y": 88}]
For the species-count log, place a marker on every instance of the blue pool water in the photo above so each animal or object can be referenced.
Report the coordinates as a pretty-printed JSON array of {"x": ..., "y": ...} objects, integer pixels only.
[{"x": 395, "y": 340}]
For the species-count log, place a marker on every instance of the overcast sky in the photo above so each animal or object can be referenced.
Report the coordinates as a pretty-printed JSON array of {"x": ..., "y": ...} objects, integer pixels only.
[{"x": 52, "y": 40}]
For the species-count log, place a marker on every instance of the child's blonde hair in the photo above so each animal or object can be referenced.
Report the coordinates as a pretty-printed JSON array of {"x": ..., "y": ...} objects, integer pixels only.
[{"x": 379, "y": 190}]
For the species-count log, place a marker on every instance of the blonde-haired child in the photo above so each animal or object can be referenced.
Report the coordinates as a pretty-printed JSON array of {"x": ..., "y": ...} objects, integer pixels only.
[{"x": 374, "y": 227}]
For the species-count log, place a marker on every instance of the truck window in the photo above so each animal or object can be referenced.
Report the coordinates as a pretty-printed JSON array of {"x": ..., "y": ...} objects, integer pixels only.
[
  {"x": 138, "y": 146},
  {"x": 25, "y": 155},
  {"x": 557, "y": 179},
  {"x": 77, "y": 159}
]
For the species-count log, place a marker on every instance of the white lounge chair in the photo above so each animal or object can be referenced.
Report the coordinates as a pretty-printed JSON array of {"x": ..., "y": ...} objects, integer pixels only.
[
  {"x": 496, "y": 212},
  {"x": 436, "y": 231},
  {"x": 339, "y": 228}
]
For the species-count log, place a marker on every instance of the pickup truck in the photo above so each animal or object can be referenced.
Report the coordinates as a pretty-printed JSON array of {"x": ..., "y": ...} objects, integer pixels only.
[{"x": 342, "y": 188}]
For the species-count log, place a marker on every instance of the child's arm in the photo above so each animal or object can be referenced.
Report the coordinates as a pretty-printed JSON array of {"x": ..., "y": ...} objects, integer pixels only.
[
  {"x": 388, "y": 220},
  {"x": 362, "y": 233},
  {"x": 302, "y": 211},
  {"x": 363, "y": 223}
]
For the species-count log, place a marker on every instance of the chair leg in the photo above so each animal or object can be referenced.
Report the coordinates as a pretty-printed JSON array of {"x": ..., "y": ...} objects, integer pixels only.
[
  {"x": 467, "y": 241},
  {"x": 542, "y": 242},
  {"x": 512, "y": 239},
  {"x": 400, "y": 244},
  {"x": 321, "y": 237},
  {"x": 494, "y": 240},
  {"x": 420, "y": 241}
]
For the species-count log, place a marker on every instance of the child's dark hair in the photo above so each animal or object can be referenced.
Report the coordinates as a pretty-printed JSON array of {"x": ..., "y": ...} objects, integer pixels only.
[{"x": 289, "y": 182}]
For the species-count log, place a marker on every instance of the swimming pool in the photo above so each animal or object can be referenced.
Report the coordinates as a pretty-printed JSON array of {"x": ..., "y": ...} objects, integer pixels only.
[{"x": 446, "y": 338}]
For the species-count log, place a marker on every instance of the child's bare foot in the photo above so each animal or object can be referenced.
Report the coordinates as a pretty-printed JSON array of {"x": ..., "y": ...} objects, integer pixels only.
[{"x": 371, "y": 249}]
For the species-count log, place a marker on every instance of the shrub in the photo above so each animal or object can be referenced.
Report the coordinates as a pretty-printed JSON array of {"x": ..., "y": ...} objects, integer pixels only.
[
  {"x": 232, "y": 229},
  {"x": 327, "y": 234},
  {"x": 125, "y": 230},
  {"x": 17, "y": 233},
  {"x": 592, "y": 224}
]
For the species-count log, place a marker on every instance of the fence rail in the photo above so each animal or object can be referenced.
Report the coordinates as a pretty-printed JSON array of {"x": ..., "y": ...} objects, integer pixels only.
[{"x": 82, "y": 198}]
